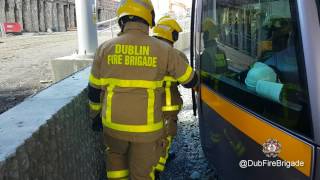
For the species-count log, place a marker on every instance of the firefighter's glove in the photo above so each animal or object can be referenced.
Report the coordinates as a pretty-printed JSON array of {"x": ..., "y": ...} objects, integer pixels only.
[{"x": 97, "y": 124}]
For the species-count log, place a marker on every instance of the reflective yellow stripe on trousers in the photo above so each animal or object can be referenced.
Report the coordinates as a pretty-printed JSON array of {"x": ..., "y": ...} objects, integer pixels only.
[
  {"x": 95, "y": 106},
  {"x": 169, "y": 107},
  {"x": 162, "y": 161},
  {"x": 150, "y": 126},
  {"x": 121, "y": 174}
]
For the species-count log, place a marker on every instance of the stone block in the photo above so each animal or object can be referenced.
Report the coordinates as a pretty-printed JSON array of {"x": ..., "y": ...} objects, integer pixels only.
[
  {"x": 19, "y": 13},
  {"x": 65, "y": 66},
  {"x": 55, "y": 17},
  {"x": 26, "y": 15},
  {"x": 42, "y": 25},
  {"x": 10, "y": 16},
  {"x": 48, "y": 16},
  {"x": 2, "y": 11},
  {"x": 34, "y": 15},
  {"x": 72, "y": 16},
  {"x": 61, "y": 17}
]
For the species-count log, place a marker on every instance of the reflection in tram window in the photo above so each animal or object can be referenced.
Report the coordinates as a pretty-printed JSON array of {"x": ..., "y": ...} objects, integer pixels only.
[{"x": 250, "y": 55}]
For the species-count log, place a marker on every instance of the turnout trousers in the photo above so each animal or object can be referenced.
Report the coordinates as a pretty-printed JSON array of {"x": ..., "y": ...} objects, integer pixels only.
[
  {"x": 171, "y": 118},
  {"x": 130, "y": 160}
]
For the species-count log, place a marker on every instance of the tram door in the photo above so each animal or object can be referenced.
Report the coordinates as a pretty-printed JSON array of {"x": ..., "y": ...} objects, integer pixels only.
[{"x": 254, "y": 103}]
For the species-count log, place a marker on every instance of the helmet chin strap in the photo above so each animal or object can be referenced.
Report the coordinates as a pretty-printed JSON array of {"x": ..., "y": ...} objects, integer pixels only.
[
  {"x": 153, "y": 17},
  {"x": 175, "y": 35}
]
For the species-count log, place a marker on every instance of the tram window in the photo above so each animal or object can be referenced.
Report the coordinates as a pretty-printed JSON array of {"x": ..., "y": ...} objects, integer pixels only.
[
  {"x": 250, "y": 54},
  {"x": 318, "y": 4}
]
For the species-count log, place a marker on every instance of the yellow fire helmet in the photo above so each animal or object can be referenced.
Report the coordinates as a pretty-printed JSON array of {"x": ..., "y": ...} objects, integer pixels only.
[
  {"x": 210, "y": 29},
  {"x": 140, "y": 8},
  {"x": 167, "y": 28}
]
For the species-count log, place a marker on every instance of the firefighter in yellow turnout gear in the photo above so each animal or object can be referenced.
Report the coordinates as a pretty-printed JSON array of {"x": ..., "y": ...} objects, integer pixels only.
[
  {"x": 167, "y": 29},
  {"x": 126, "y": 88}
]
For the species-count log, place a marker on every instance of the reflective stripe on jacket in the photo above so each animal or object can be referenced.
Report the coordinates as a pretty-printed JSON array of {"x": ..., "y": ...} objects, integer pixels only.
[{"x": 173, "y": 100}]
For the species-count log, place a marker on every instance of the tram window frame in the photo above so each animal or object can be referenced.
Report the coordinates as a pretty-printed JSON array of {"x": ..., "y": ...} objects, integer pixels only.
[
  {"x": 257, "y": 104},
  {"x": 318, "y": 7}
]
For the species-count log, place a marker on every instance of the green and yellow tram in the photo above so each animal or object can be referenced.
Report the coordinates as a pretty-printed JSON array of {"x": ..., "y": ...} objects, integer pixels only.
[{"x": 259, "y": 98}]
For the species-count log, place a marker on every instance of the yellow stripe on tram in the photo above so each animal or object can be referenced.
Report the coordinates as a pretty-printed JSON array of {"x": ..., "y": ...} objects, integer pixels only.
[{"x": 292, "y": 148}]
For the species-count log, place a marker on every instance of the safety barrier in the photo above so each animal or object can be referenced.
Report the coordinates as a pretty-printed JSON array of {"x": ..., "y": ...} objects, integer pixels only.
[
  {"x": 12, "y": 27},
  {"x": 48, "y": 136},
  {"x": 108, "y": 25}
]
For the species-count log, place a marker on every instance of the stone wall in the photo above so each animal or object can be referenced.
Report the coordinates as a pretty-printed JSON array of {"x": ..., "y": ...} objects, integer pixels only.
[
  {"x": 48, "y": 136},
  {"x": 106, "y": 9},
  {"x": 39, "y": 15},
  {"x": 55, "y": 15}
]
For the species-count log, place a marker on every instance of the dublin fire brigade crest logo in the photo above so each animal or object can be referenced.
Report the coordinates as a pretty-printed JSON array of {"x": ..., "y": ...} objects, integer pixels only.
[{"x": 271, "y": 148}]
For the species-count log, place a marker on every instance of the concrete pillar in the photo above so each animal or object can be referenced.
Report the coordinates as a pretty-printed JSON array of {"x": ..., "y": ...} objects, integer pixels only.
[
  {"x": 34, "y": 15},
  {"x": 10, "y": 11},
  {"x": 61, "y": 20},
  {"x": 18, "y": 12},
  {"x": 72, "y": 17},
  {"x": 42, "y": 24},
  {"x": 55, "y": 17},
  {"x": 48, "y": 16},
  {"x": 26, "y": 15},
  {"x": 2, "y": 11}
]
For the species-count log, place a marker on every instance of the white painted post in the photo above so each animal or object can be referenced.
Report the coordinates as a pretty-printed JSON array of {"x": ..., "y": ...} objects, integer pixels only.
[{"x": 87, "y": 28}]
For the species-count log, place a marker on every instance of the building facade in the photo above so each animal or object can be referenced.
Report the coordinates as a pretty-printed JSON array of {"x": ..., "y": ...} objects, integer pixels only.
[
  {"x": 53, "y": 15},
  {"x": 106, "y": 9}
]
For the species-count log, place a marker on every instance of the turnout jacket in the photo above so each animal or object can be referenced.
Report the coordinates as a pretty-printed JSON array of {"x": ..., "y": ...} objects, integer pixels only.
[{"x": 126, "y": 83}]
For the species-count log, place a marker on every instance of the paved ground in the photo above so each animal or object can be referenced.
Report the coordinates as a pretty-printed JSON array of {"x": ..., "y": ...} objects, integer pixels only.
[
  {"x": 190, "y": 162},
  {"x": 25, "y": 63}
]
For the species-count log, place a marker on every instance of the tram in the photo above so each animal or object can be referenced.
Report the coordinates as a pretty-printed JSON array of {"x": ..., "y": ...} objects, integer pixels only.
[{"x": 259, "y": 98}]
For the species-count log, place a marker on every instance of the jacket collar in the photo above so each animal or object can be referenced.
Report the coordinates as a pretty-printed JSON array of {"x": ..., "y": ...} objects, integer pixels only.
[
  {"x": 136, "y": 26},
  {"x": 165, "y": 41}
]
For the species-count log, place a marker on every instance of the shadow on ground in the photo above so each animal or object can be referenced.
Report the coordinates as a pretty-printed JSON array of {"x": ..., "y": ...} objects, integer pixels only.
[{"x": 11, "y": 97}]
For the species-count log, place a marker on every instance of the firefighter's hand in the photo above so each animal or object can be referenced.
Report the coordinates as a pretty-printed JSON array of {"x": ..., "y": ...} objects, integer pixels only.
[
  {"x": 196, "y": 88},
  {"x": 97, "y": 124}
]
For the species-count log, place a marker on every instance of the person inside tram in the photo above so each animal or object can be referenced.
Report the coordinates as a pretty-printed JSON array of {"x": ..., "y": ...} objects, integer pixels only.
[
  {"x": 213, "y": 59},
  {"x": 284, "y": 59},
  {"x": 269, "y": 75}
]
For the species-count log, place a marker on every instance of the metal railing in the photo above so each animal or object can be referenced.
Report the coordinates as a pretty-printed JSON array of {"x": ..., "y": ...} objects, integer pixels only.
[
  {"x": 112, "y": 25},
  {"x": 108, "y": 25},
  {"x": 185, "y": 24}
]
